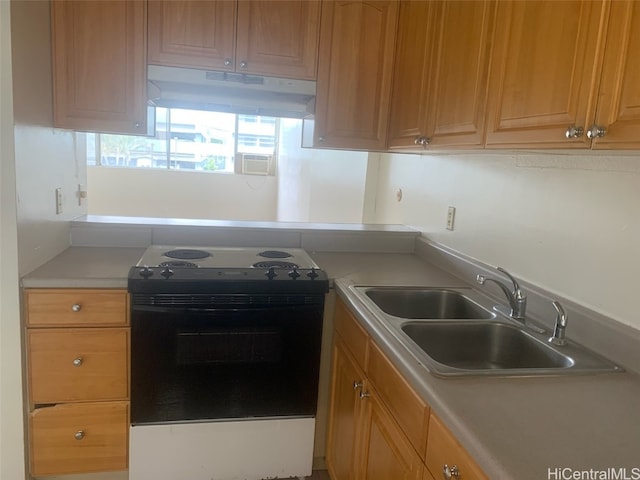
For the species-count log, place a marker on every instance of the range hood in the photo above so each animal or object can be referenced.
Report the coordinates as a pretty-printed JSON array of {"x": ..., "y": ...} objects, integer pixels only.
[{"x": 174, "y": 87}]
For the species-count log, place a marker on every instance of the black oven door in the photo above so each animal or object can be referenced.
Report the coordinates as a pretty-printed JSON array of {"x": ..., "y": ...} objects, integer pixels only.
[{"x": 195, "y": 364}]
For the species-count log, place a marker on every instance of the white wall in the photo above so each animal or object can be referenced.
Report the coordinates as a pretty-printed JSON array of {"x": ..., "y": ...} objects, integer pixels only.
[
  {"x": 310, "y": 186},
  {"x": 568, "y": 222},
  {"x": 180, "y": 194},
  {"x": 12, "y": 456},
  {"x": 318, "y": 185},
  {"x": 46, "y": 158}
]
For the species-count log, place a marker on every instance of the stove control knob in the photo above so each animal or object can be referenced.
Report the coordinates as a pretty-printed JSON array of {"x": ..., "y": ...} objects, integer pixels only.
[
  {"x": 294, "y": 273},
  {"x": 313, "y": 274},
  {"x": 166, "y": 272},
  {"x": 146, "y": 272},
  {"x": 271, "y": 273}
]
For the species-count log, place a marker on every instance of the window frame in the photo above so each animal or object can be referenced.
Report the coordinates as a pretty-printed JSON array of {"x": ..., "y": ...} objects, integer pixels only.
[{"x": 173, "y": 163}]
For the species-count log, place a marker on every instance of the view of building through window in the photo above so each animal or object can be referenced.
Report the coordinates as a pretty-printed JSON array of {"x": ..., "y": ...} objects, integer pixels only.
[{"x": 193, "y": 140}]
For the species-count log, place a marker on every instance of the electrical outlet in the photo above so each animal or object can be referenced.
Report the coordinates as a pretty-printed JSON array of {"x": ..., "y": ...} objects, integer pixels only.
[
  {"x": 451, "y": 215},
  {"x": 58, "y": 201}
]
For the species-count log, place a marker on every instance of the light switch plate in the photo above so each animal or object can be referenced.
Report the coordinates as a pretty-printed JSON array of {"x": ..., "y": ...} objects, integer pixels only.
[
  {"x": 451, "y": 215},
  {"x": 58, "y": 201}
]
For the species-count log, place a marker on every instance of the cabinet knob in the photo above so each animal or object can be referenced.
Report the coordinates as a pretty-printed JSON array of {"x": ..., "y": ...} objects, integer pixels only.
[
  {"x": 76, "y": 307},
  {"x": 357, "y": 385},
  {"x": 322, "y": 139},
  {"x": 596, "y": 132},
  {"x": 137, "y": 124},
  {"x": 243, "y": 64},
  {"x": 421, "y": 140},
  {"x": 77, "y": 361},
  {"x": 364, "y": 395},
  {"x": 449, "y": 472},
  {"x": 573, "y": 132},
  {"x": 79, "y": 435},
  {"x": 227, "y": 62}
]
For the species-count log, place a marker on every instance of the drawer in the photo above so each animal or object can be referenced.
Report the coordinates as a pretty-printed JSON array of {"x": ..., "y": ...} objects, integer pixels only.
[
  {"x": 407, "y": 408},
  {"x": 78, "y": 364},
  {"x": 79, "y": 438},
  {"x": 354, "y": 336},
  {"x": 443, "y": 449},
  {"x": 76, "y": 307}
]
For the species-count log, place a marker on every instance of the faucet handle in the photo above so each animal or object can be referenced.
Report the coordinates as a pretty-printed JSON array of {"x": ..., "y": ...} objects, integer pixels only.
[
  {"x": 561, "y": 325},
  {"x": 516, "y": 287}
]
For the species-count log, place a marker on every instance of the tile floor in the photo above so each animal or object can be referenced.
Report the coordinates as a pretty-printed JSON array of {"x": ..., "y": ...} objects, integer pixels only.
[{"x": 319, "y": 475}]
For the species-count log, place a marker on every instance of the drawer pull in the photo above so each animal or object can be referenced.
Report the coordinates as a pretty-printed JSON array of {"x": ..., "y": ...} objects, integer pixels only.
[
  {"x": 76, "y": 307},
  {"x": 357, "y": 385},
  {"x": 364, "y": 395},
  {"x": 449, "y": 473},
  {"x": 79, "y": 435},
  {"x": 77, "y": 361}
]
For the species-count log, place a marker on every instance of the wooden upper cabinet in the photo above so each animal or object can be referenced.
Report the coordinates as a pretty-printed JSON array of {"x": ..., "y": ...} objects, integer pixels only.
[
  {"x": 355, "y": 65},
  {"x": 277, "y": 38},
  {"x": 440, "y": 82},
  {"x": 99, "y": 66},
  {"x": 544, "y": 72},
  {"x": 619, "y": 98},
  {"x": 411, "y": 74},
  {"x": 458, "y": 83},
  {"x": 194, "y": 34}
]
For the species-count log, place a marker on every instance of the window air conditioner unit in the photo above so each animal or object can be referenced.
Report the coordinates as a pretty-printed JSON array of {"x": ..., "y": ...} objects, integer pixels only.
[{"x": 255, "y": 164}]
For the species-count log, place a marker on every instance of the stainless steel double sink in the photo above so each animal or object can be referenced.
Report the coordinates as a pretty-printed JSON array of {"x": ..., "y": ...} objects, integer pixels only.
[{"x": 453, "y": 332}]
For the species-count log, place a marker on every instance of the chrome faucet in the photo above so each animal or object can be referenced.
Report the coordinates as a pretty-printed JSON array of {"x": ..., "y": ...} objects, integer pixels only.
[
  {"x": 517, "y": 300},
  {"x": 561, "y": 325}
]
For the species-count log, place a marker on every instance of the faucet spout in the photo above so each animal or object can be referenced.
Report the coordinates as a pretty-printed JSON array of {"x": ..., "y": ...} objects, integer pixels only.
[{"x": 517, "y": 300}]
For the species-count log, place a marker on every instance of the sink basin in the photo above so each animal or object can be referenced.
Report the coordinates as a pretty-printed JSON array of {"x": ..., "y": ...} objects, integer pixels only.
[
  {"x": 426, "y": 303},
  {"x": 484, "y": 346},
  {"x": 451, "y": 332}
]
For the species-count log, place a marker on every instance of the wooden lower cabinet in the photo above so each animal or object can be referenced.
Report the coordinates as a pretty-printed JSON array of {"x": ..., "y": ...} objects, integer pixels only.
[
  {"x": 79, "y": 438},
  {"x": 364, "y": 441},
  {"x": 379, "y": 428},
  {"x": 346, "y": 383},
  {"x": 78, "y": 364},
  {"x": 444, "y": 450},
  {"x": 386, "y": 451},
  {"x": 77, "y": 344}
]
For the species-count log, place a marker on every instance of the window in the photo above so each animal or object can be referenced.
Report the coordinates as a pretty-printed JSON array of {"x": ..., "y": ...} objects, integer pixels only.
[{"x": 189, "y": 140}]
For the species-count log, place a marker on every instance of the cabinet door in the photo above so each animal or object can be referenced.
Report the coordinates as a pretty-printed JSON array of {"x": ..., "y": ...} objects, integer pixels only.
[
  {"x": 544, "y": 72},
  {"x": 619, "y": 99},
  {"x": 458, "y": 83},
  {"x": 411, "y": 73},
  {"x": 193, "y": 33},
  {"x": 344, "y": 410},
  {"x": 278, "y": 38},
  {"x": 386, "y": 452},
  {"x": 99, "y": 66},
  {"x": 357, "y": 42},
  {"x": 409, "y": 411},
  {"x": 78, "y": 438}
]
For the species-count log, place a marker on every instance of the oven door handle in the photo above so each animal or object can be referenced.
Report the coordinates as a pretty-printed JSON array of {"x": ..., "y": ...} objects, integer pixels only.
[{"x": 219, "y": 310}]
